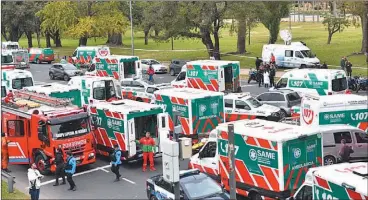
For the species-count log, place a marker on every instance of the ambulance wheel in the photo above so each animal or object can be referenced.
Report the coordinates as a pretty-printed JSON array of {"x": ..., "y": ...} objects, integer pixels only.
[
  {"x": 329, "y": 160},
  {"x": 38, "y": 61},
  {"x": 153, "y": 197},
  {"x": 51, "y": 75},
  {"x": 139, "y": 99},
  {"x": 41, "y": 165},
  {"x": 255, "y": 196},
  {"x": 303, "y": 66},
  {"x": 172, "y": 73},
  {"x": 66, "y": 77},
  {"x": 283, "y": 114}
]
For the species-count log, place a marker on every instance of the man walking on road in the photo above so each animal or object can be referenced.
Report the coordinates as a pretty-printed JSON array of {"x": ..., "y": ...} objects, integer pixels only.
[
  {"x": 348, "y": 68},
  {"x": 343, "y": 63},
  {"x": 34, "y": 179},
  {"x": 71, "y": 165},
  {"x": 59, "y": 162},
  {"x": 148, "y": 145},
  {"x": 258, "y": 63},
  {"x": 116, "y": 161},
  {"x": 4, "y": 153},
  {"x": 272, "y": 75}
]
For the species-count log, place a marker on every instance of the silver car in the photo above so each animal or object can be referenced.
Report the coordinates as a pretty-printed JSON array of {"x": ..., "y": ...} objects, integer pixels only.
[
  {"x": 284, "y": 99},
  {"x": 63, "y": 71}
]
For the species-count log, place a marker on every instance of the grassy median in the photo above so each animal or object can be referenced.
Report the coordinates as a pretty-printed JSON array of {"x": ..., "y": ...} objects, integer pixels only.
[
  {"x": 15, "y": 195},
  {"x": 313, "y": 34}
]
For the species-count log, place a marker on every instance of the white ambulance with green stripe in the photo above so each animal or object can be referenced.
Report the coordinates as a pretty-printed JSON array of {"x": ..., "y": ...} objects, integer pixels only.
[
  {"x": 123, "y": 122},
  {"x": 16, "y": 79},
  {"x": 347, "y": 109},
  {"x": 340, "y": 181},
  {"x": 95, "y": 88},
  {"x": 314, "y": 81}
]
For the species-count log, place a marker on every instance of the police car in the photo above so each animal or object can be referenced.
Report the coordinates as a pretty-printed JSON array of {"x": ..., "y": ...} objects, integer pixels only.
[
  {"x": 244, "y": 103},
  {"x": 193, "y": 185}
]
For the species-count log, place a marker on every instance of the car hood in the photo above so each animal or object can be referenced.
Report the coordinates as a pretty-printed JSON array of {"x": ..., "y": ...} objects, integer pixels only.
[
  {"x": 311, "y": 60},
  {"x": 73, "y": 71},
  {"x": 157, "y": 66},
  {"x": 268, "y": 108}
]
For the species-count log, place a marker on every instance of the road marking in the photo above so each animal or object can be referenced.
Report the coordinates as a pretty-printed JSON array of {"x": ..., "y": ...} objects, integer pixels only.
[
  {"x": 104, "y": 170},
  {"x": 247, "y": 85},
  {"x": 80, "y": 173},
  {"x": 127, "y": 180}
]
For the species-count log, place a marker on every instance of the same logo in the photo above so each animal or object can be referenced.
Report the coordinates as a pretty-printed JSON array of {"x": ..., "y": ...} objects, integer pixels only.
[
  {"x": 103, "y": 52},
  {"x": 297, "y": 153},
  {"x": 253, "y": 154},
  {"x": 109, "y": 123},
  {"x": 308, "y": 115}
]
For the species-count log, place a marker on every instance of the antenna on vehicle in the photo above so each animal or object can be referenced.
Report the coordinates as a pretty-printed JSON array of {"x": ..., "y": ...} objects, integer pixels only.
[{"x": 286, "y": 36}]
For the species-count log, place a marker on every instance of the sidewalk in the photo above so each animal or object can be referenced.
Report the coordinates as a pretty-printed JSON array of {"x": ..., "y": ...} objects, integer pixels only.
[{"x": 246, "y": 72}]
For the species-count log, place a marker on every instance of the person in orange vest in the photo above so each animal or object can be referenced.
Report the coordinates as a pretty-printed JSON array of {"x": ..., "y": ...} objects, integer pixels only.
[
  {"x": 4, "y": 153},
  {"x": 273, "y": 59},
  {"x": 150, "y": 73},
  {"x": 148, "y": 145}
]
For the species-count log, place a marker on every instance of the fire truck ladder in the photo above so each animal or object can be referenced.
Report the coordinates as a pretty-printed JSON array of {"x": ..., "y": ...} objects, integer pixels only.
[{"x": 42, "y": 99}]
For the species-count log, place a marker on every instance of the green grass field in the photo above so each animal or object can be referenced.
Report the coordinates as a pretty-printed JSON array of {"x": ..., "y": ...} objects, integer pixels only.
[
  {"x": 16, "y": 195},
  {"x": 313, "y": 34}
]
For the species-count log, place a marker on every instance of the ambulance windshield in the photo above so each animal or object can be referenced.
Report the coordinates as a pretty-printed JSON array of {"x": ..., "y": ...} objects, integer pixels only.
[
  {"x": 70, "y": 129},
  {"x": 20, "y": 56},
  {"x": 308, "y": 54},
  {"x": 339, "y": 84},
  {"x": 5, "y": 59},
  {"x": 103, "y": 91},
  {"x": 3, "y": 91},
  {"x": 20, "y": 83}
]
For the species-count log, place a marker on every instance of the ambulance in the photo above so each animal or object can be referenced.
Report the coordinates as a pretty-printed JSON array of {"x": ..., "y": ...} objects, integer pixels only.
[
  {"x": 85, "y": 55},
  {"x": 123, "y": 122},
  {"x": 117, "y": 66},
  {"x": 40, "y": 55},
  {"x": 314, "y": 81},
  {"x": 15, "y": 79},
  {"x": 339, "y": 181},
  {"x": 271, "y": 158},
  {"x": 336, "y": 109},
  {"x": 60, "y": 91},
  {"x": 212, "y": 75},
  {"x": 96, "y": 88},
  {"x": 37, "y": 124},
  {"x": 198, "y": 112},
  {"x": 10, "y": 45}
]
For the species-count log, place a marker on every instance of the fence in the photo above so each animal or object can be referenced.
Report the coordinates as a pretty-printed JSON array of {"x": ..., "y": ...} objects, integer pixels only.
[{"x": 10, "y": 179}]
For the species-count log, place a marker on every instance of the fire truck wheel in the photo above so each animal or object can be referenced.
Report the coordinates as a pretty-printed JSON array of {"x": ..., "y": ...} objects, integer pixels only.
[
  {"x": 255, "y": 196},
  {"x": 41, "y": 165}
]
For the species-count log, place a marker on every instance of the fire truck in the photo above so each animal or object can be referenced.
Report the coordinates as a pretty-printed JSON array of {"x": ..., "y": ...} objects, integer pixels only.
[{"x": 36, "y": 125}]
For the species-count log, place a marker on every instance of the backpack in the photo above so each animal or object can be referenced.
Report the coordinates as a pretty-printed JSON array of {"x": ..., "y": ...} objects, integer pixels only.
[
  {"x": 68, "y": 165},
  {"x": 113, "y": 156}
]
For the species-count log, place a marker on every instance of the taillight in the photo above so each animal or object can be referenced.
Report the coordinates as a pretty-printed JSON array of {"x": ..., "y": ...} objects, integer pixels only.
[{"x": 348, "y": 92}]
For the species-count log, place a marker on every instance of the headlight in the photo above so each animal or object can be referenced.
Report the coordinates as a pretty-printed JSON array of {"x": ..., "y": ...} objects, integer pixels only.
[{"x": 91, "y": 155}]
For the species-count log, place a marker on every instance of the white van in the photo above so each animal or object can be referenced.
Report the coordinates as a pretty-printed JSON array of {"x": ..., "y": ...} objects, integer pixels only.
[
  {"x": 314, "y": 81},
  {"x": 294, "y": 55},
  {"x": 16, "y": 79},
  {"x": 10, "y": 45},
  {"x": 342, "y": 181}
]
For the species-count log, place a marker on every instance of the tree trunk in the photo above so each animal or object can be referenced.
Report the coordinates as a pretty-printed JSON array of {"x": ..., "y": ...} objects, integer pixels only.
[
  {"x": 329, "y": 38},
  {"x": 157, "y": 32},
  {"x": 364, "y": 22},
  {"x": 57, "y": 39},
  {"x": 48, "y": 39},
  {"x": 115, "y": 39},
  {"x": 29, "y": 38},
  {"x": 242, "y": 31},
  {"x": 216, "y": 52},
  {"x": 38, "y": 35},
  {"x": 15, "y": 34},
  {"x": 207, "y": 41},
  {"x": 83, "y": 41},
  {"x": 146, "y": 36}
]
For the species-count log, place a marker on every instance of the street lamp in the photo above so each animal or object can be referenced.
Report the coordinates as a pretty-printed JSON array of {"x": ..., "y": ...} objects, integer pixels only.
[{"x": 131, "y": 27}]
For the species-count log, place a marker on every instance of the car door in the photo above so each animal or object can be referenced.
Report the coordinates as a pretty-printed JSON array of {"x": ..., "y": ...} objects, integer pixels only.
[
  {"x": 288, "y": 59},
  {"x": 17, "y": 132},
  {"x": 298, "y": 59},
  {"x": 208, "y": 158},
  {"x": 361, "y": 145},
  {"x": 164, "y": 190},
  {"x": 242, "y": 107},
  {"x": 56, "y": 70}
]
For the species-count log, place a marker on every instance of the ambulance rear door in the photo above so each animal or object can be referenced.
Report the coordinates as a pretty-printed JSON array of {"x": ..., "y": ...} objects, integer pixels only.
[
  {"x": 163, "y": 129},
  {"x": 221, "y": 79},
  {"x": 138, "y": 69},
  {"x": 132, "y": 146}
]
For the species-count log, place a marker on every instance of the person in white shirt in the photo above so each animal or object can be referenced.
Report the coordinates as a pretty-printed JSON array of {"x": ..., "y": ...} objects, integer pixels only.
[
  {"x": 34, "y": 181},
  {"x": 266, "y": 78}
]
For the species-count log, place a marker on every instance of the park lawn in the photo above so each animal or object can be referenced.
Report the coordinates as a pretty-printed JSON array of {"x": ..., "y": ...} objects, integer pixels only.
[
  {"x": 16, "y": 195},
  {"x": 313, "y": 34}
]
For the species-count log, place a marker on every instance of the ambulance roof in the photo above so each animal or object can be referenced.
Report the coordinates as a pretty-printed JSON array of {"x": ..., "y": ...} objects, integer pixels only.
[
  {"x": 243, "y": 95},
  {"x": 89, "y": 78},
  {"x": 339, "y": 100},
  {"x": 268, "y": 130},
  {"x": 188, "y": 93},
  {"x": 211, "y": 62},
  {"x": 126, "y": 106},
  {"x": 91, "y": 47},
  {"x": 50, "y": 88},
  {"x": 343, "y": 173},
  {"x": 17, "y": 73},
  {"x": 333, "y": 127},
  {"x": 320, "y": 72}
]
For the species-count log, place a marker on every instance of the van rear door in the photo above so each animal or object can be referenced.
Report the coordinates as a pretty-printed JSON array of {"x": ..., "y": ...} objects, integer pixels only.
[
  {"x": 221, "y": 79},
  {"x": 132, "y": 146},
  {"x": 163, "y": 129}
]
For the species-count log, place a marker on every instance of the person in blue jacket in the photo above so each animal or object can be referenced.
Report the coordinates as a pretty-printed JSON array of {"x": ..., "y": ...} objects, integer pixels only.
[
  {"x": 115, "y": 162},
  {"x": 71, "y": 165}
]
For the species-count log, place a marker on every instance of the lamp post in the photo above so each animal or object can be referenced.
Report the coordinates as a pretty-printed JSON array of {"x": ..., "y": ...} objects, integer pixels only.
[{"x": 131, "y": 27}]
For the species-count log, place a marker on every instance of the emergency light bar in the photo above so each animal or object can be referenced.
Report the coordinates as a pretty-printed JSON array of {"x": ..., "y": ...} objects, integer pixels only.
[
  {"x": 311, "y": 96},
  {"x": 189, "y": 172}
]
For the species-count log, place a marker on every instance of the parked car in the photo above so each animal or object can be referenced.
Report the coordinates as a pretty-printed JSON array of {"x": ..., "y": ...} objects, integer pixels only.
[
  {"x": 39, "y": 55},
  {"x": 157, "y": 66},
  {"x": 283, "y": 98},
  {"x": 63, "y": 71},
  {"x": 193, "y": 185},
  {"x": 175, "y": 66}
]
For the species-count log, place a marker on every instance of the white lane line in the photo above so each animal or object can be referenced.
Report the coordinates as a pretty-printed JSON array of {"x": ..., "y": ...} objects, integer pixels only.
[
  {"x": 247, "y": 85},
  {"x": 77, "y": 174},
  {"x": 104, "y": 170},
  {"x": 127, "y": 180}
]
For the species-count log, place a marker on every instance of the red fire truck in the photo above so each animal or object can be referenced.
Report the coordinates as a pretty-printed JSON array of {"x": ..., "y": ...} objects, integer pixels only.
[{"x": 36, "y": 125}]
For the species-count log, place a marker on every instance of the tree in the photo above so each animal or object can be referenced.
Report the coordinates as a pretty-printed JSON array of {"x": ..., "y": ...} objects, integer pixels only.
[
  {"x": 245, "y": 16},
  {"x": 270, "y": 15},
  {"x": 56, "y": 17},
  {"x": 334, "y": 24},
  {"x": 152, "y": 17},
  {"x": 360, "y": 9}
]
